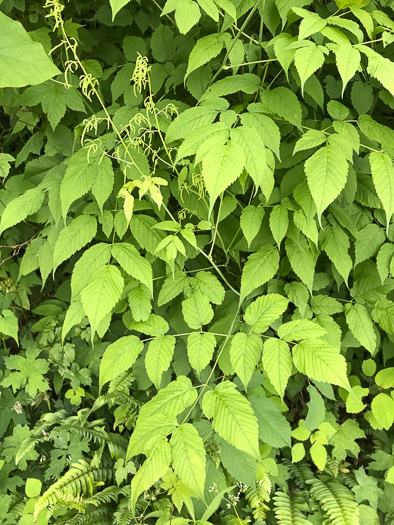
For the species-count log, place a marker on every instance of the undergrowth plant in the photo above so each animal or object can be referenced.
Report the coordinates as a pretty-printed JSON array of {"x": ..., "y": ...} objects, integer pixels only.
[{"x": 197, "y": 260}]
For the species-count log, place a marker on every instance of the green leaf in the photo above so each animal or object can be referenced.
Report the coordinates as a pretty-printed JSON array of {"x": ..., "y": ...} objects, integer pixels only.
[
  {"x": 300, "y": 329},
  {"x": 277, "y": 363},
  {"x": 116, "y": 6},
  {"x": 321, "y": 362},
  {"x": 103, "y": 181},
  {"x": 255, "y": 158},
  {"x": 383, "y": 410},
  {"x": 316, "y": 409},
  {"x": 259, "y": 268},
  {"x": 238, "y": 464},
  {"x": 210, "y": 286},
  {"x": 197, "y": 311},
  {"x": 221, "y": 166},
  {"x": 233, "y": 417},
  {"x": 119, "y": 357},
  {"x": 188, "y": 458},
  {"x": 251, "y": 219},
  {"x": 264, "y": 311},
  {"x": 139, "y": 301},
  {"x": 319, "y": 455},
  {"x": 189, "y": 121},
  {"x": 22, "y": 61},
  {"x": 265, "y": 127},
  {"x": 335, "y": 243},
  {"x": 159, "y": 425},
  {"x": 382, "y": 170},
  {"x": 21, "y": 207},
  {"x": 5, "y": 160},
  {"x": 228, "y": 7},
  {"x": 383, "y": 313},
  {"x": 307, "y": 60},
  {"x": 274, "y": 429},
  {"x": 93, "y": 258},
  {"x": 245, "y": 353},
  {"x": 200, "y": 348},
  {"x": 78, "y": 179},
  {"x": 348, "y": 60},
  {"x": 133, "y": 263},
  {"x": 284, "y": 103},
  {"x": 311, "y": 23},
  {"x": 279, "y": 223},
  {"x": 155, "y": 326},
  {"x": 172, "y": 287},
  {"x": 73, "y": 237},
  {"x": 74, "y": 316},
  {"x": 248, "y": 83},
  {"x": 383, "y": 260},
  {"x": 101, "y": 294},
  {"x": 9, "y": 324},
  {"x": 368, "y": 242},
  {"x": 153, "y": 468},
  {"x": 210, "y": 8},
  {"x": 310, "y": 139},
  {"x": 205, "y": 49},
  {"x": 187, "y": 15},
  {"x": 361, "y": 325},
  {"x": 326, "y": 172},
  {"x": 385, "y": 378},
  {"x": 301, "y": 260},
  {"x": 33, "y": 487},
  {"x": 158, "y": 357}
]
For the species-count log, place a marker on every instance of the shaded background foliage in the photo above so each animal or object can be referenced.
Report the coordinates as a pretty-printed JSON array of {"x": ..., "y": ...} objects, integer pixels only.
[{"x": 292, "y": 221}]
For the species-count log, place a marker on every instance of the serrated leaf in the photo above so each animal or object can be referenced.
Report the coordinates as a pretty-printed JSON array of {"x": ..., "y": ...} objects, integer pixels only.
[
  {"x": 383, "y": 410},
  {"x": 307, "y": 60},
  {"x": 205, "y": 49},
  {"x": 221, "y": 166},
  {"x": 301, "y": 260},
  {"x": 284, "y": 103},
  {"x": 133, "y": 263},
  {"x": 158, "y": 425},
  {"x": 210, "y": 286},
  {"x": 382, "y": 170},
  {"x": 187, "y": 15},
  {"x": 172, "y": 287},
  {"x": 78, "y": 179},
  {"x": 139, "y": 301},
  {"x": 259, "y": 268},
  {"x": 277, "y": 363},
  {"x": 158, "y": 357},
  {"x": 368, "y": 242},
  {"x": 255, "y": 158},
  {"x": 189, "y": 121},
  {"x": 200, "y": 348},
  {"x": 279, "y": 223},
  {"x": 300, "y": 329},
  {"x": 245, "y": 353},
  {"x": 154, "y": 467},
  {"x": 155, "y": 326},
  {"x": 361, "y": 326},
  {"x": 251, "y": 219},
  {"x": 233, "y": 417},
  {"x": 197, "y": 311},
  {"x": 101, "y": 294},
  {"x": 74, "y": 316},
  {"x": 248, "y": 83},
  {"x": 321, "y": 361},
  {"x": 316, "y": 409},
  {"x": 274, "y": 429},
  {"x": 9, "y": 324},
  {"x": 348, "y": 61},
  {"x": 103, "y": 181},
  {"x": 116, "y": 6},
  {"x": 335, "y": 243},
  {"x": 264, "y": 311},
  {"x": 326, "y": 172},
  {"x": 265, "y": 127},
  {"x": 21, "y": 207},
  {"x": 188, "y": 457},
  {"x": 93, "y": 258},
  {"x": 310, "y": 139},
  {"x": 73, "y": 237},
  {"x": 119, "y": 357},
  {"x": 384, "y": 259},
  {"x": 309, "y": 25}
]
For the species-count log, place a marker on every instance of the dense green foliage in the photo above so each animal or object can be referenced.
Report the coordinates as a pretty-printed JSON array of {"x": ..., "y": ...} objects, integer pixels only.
[{"x": 197, "y": 259}]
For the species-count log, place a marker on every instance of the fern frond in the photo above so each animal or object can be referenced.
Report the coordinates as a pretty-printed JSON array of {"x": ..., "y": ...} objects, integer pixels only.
[
  {"x": 289, "y": 508},
  {"x": 121, "y": 383},
  {"x": 82, "y": 478},
  {"x": 336, "y": 500},
  {"x": 300, "y": 472},
  {"x": 99, "y": 516},
  {"x": 257, "y": 499}
]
